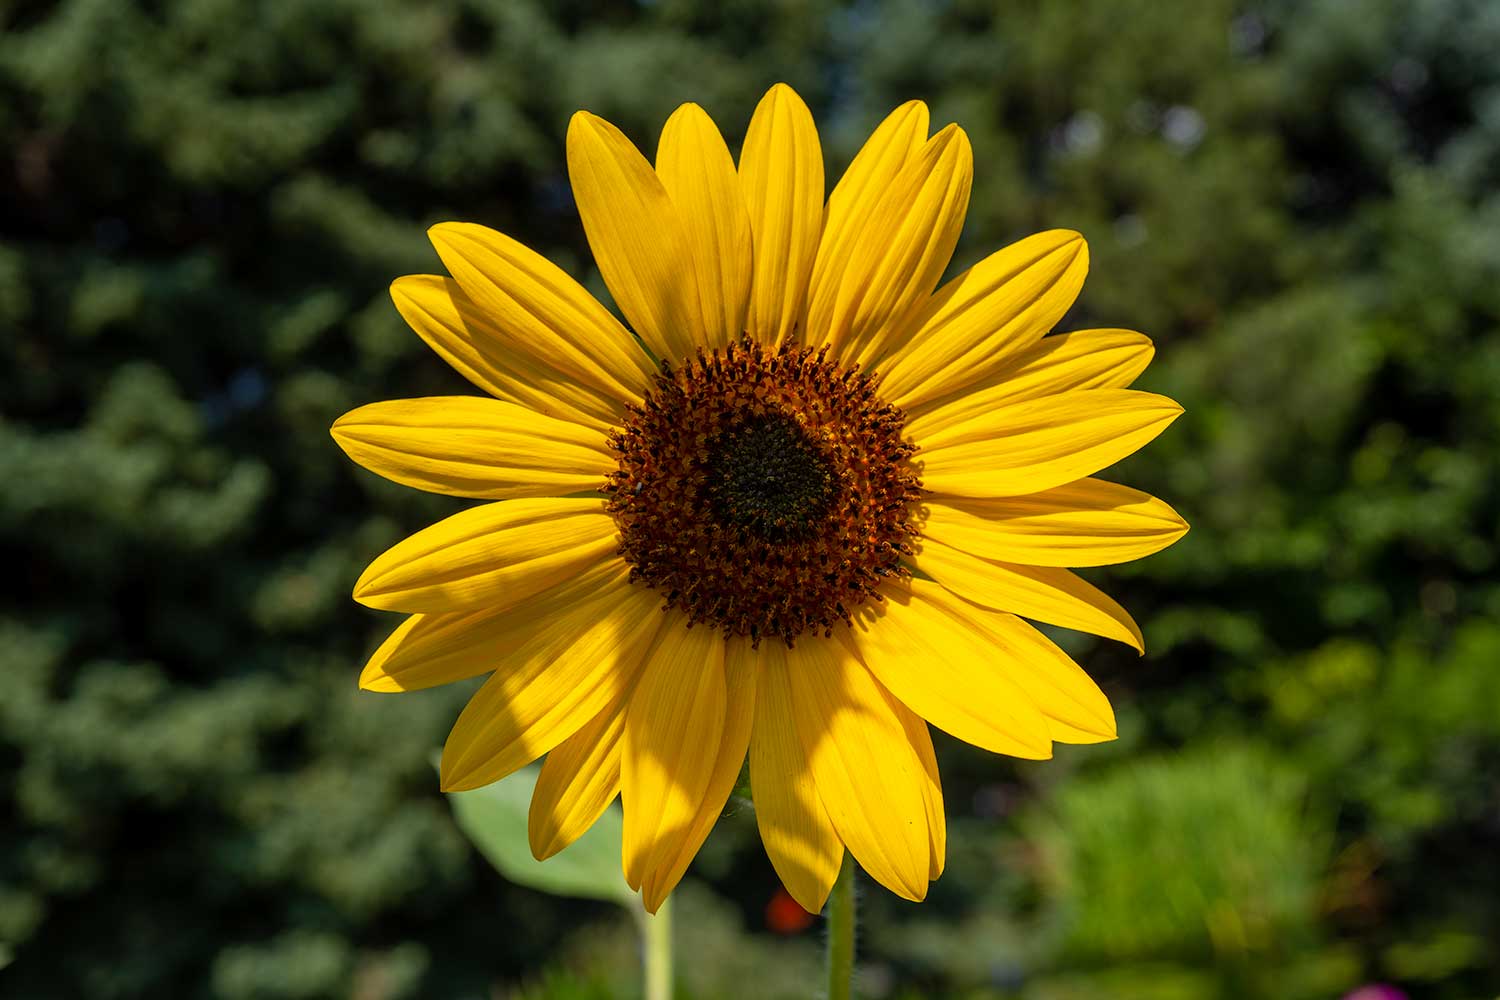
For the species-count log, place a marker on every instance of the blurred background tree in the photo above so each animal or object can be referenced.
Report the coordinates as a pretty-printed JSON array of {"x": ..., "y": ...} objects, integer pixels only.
[{"x": 201, "y": 203}]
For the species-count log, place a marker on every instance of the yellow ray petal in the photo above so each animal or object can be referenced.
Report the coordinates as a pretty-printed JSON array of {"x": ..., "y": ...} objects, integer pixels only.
[
  {"x": 994, "y": 309},
  {"x": 673, "y": 729},
  {"x": 1087, "y": 523},
  {"x": 901, "y": 253},
  {"x": 699, "y": 175},
  {"x": 794, "y": 826},
  {"x": 1075, "y": 709},
  {"x": 431, "y": 649},
  {"x": 579, "y": 779},
  {"x": 932, "y": 786},
  {"x": 493, "y": 555},
  {"x": 1035, "y": 444},
  {"x": 1066, "y": 362},
  {"x": 1041, "y": 593},
  {"x": 565, "y": 674},
  {"x": 542, "y": 371},
  {"x": 739, "y": 676},
  {"x": 542, "y": 311},
  {"x": 636, "y": 234},
  {"x": 866, "y": 772},
  {"x": 469, "y": 446},
  {"x": 943, "y": 668},
  {"x": 851, "y": 207},
  {"x": 781, "y": 170}
]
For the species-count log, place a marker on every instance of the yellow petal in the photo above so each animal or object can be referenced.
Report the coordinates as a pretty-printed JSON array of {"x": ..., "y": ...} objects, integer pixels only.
[
  {"x": 781, "y": 170},
  {"x": 863, "y": 764},
  {"x": 943, "y": 668},
  {"x": 895, "y": 142},
  {"x": 1067, "y": 362},
  {"x": 493, "y": 555},
  {"x": 800, "y": 840},
  {"x": 1087, "y": 523},
  {"x": 534, "y": 367},
  {"x": 571, "y": 669},
  {"x": 1041, "y": 593},
  {"x": 1035, "y": 444},
  {"x": 1075, "y": 709},
  {"x": 699, "y": 175},
  {"x": 543, "y": 312},
  {"x": 377, "y": 677},
  {"x": 469, "y": 446},
  {"x": 932, "y": 786},
  {"x": 739, "y": 676},
  {"x": 431, "y": 649},
  {"x": 636, "y": 234},
  {"x": 673, "y": 729},
  {"x": 901, "y": 253},
  {"x": 994, "y": 309},
  {"x": 579, "y": 779}
]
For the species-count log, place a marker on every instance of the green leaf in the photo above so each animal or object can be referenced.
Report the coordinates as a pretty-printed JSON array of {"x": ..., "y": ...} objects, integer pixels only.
[{"x": 494, "y": 818}]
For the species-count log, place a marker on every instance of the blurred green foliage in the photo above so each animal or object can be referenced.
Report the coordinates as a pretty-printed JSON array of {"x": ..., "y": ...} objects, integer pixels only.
[
  {"x": 1221, "y": 843},
  {"x": 202, "y": 204}
]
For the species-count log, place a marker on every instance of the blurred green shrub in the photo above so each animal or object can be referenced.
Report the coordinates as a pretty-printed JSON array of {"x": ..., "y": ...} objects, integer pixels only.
[
  {"x": 1197, "y": 874},
  {"x": 1206, "y": 853}
]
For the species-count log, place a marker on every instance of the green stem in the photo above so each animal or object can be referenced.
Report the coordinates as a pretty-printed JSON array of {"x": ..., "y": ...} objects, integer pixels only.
[
  {"x": 657, "y": 934},
  {"x": 841, "y": 933}
]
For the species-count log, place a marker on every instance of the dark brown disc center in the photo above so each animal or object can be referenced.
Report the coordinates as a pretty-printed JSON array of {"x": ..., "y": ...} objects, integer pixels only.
[
  {"x": 767, "y": 476},
  {"x": 763, "y": 491}
]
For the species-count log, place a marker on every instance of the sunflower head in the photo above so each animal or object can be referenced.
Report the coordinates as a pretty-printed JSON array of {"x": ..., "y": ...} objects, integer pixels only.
[{"x": 796, "y": 513}]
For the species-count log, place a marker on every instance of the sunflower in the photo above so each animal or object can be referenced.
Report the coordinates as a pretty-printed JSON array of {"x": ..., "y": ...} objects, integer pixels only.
[{"x": 798, "y": 516}]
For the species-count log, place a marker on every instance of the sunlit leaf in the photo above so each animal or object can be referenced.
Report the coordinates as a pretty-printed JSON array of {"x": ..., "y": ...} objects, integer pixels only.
[{"x": 494, "y": 818}]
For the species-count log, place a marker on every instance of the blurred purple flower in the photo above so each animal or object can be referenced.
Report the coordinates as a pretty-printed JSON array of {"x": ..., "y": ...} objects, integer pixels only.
[{"x": 1377, "y": 991}]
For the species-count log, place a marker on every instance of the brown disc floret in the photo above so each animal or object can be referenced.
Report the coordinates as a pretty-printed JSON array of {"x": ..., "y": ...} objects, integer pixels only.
[{"x": 763, "y": 491}]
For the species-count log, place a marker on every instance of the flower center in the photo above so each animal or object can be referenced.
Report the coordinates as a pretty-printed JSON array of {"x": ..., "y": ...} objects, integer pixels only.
[
  {"x": 764, "y": 492},
  {"x": 769, "y": 477}
]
